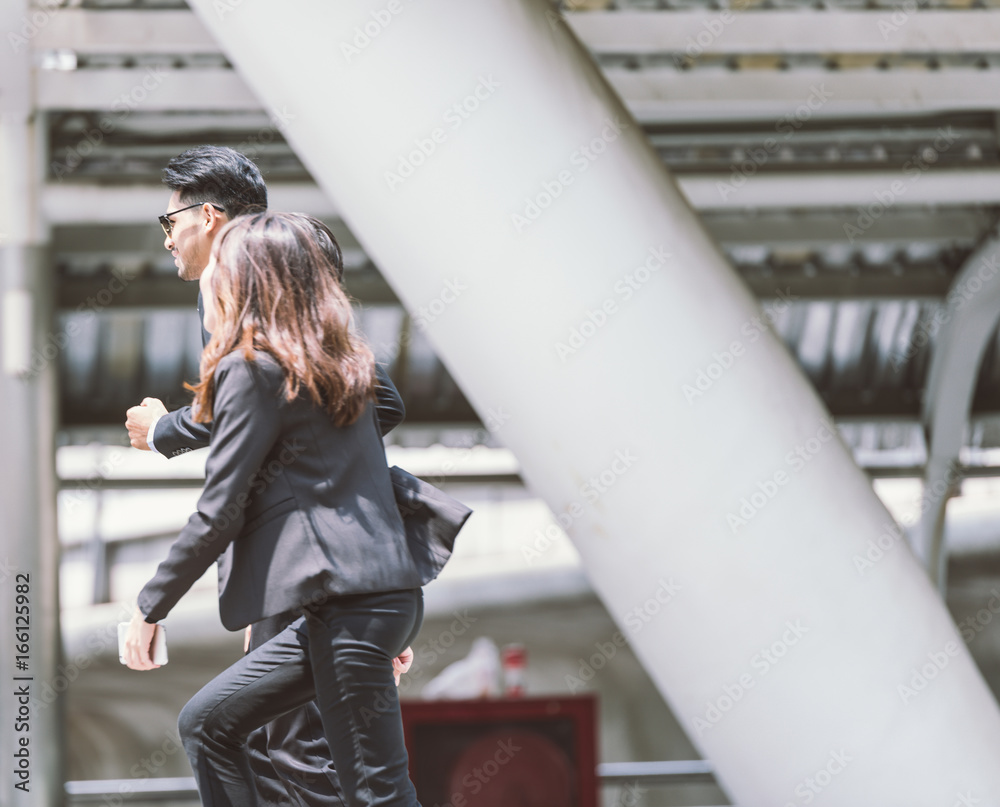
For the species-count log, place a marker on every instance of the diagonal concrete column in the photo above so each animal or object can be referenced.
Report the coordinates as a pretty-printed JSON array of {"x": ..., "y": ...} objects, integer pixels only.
[{"x": 520, "y": 214}]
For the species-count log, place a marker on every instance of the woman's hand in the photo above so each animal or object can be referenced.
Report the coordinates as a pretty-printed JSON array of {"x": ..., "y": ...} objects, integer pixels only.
[
  {"x": 246, "y": 639},
  {"x": 138, "y": 641},
  {"x": 402, "y": 663}
]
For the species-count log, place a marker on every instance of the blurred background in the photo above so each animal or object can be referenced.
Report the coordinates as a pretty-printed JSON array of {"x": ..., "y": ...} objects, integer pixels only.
[{"x": 782, "y": 121}]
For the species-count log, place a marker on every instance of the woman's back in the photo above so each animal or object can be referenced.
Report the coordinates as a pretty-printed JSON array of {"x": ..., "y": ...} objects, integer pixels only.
[{"x": 320, "y": 513}]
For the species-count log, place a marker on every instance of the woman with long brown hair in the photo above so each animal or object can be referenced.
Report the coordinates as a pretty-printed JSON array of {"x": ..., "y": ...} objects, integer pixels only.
[{"x": 299, "y": 511}]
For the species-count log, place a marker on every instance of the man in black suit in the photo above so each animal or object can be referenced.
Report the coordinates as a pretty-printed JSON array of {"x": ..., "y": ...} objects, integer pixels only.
[{"x": 210, "y": 186}]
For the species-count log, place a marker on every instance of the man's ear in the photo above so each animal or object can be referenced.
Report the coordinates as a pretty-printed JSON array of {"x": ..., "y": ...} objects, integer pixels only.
[{"x": 215, "y": 220}]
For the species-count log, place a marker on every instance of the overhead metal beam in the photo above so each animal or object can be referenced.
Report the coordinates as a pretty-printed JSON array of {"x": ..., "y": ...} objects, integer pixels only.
[
  {"x": 923, "y": 282},
  {"x": 71, "y": 203},
  {"x": 368, "y": 287},
  {"x": 86, "y": 31},
  {"x": 903, "y": 227},
  {"x": 870, "y": 190},
  {"x": 158, "y": 292},
  {"x": 151, "y": 89},
  {"x": 727, "y": 31},
  {"x": 671, "y": 95},
  {"x": 633, "y": 32},
  {"x": 652, "y": 95}
]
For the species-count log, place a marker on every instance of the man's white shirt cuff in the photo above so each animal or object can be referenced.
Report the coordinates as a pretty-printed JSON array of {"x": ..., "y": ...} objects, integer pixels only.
[{"x": 149, "y": 435}]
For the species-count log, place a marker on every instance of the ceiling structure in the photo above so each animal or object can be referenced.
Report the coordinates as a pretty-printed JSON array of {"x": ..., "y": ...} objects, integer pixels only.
[{"x": 844, "y": 155}]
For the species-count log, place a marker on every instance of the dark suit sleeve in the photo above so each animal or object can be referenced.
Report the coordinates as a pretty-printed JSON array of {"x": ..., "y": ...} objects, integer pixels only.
[
  {"x": 176, "y": 433},
  {"x": 246, "y": 426},
  {"x": 388, "y": 404}
]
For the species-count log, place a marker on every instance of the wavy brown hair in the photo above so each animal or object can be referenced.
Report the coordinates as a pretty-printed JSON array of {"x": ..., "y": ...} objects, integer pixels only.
[{"x": 277, "y": 290}]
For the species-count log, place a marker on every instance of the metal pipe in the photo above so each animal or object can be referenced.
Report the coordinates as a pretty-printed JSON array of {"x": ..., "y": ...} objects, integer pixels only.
[{"x": 962, "y": 331}]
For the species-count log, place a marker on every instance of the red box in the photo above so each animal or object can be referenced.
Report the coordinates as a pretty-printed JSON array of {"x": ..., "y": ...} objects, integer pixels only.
[{"x": 532, "y": 752}]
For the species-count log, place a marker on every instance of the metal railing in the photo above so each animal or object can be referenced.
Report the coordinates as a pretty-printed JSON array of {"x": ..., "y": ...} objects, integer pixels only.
[{"x": 119, "y": 791}]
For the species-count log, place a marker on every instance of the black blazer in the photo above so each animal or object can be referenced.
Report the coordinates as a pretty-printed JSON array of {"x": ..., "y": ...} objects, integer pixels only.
[
  {"x": 177, "y": 433},
  {"x": 305, "y": 508}
]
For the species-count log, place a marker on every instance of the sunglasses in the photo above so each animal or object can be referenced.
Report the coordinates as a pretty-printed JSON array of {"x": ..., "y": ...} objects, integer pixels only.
[{"x": 168, "y": 225}]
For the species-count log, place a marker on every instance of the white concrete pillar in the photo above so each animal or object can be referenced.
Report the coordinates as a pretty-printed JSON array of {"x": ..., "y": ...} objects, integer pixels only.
[
  {"x": 521, "y": 216},
  {"x": 31, "y": 773}
]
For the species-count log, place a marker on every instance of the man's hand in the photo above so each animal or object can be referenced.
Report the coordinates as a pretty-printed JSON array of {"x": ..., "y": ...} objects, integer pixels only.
[
  {"x": 402, "y": 663},
  {"x": 138, "y": 640},
  {"x": 140, "y": 418}
]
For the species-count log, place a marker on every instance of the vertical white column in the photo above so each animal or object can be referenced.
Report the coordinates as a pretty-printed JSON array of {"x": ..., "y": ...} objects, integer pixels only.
[
  {"x": 519, "y": 212},
  {"x": 31, "y": 732}
]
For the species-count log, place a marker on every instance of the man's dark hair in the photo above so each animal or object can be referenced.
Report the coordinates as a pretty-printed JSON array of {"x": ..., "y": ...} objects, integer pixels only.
[
  {"x": 220, "y": 175},
  {"x": 327, "y": 243}
]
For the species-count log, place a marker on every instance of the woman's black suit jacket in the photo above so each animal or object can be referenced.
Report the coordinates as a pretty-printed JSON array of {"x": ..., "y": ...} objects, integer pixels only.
[{"x": 305, "y": 508}]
